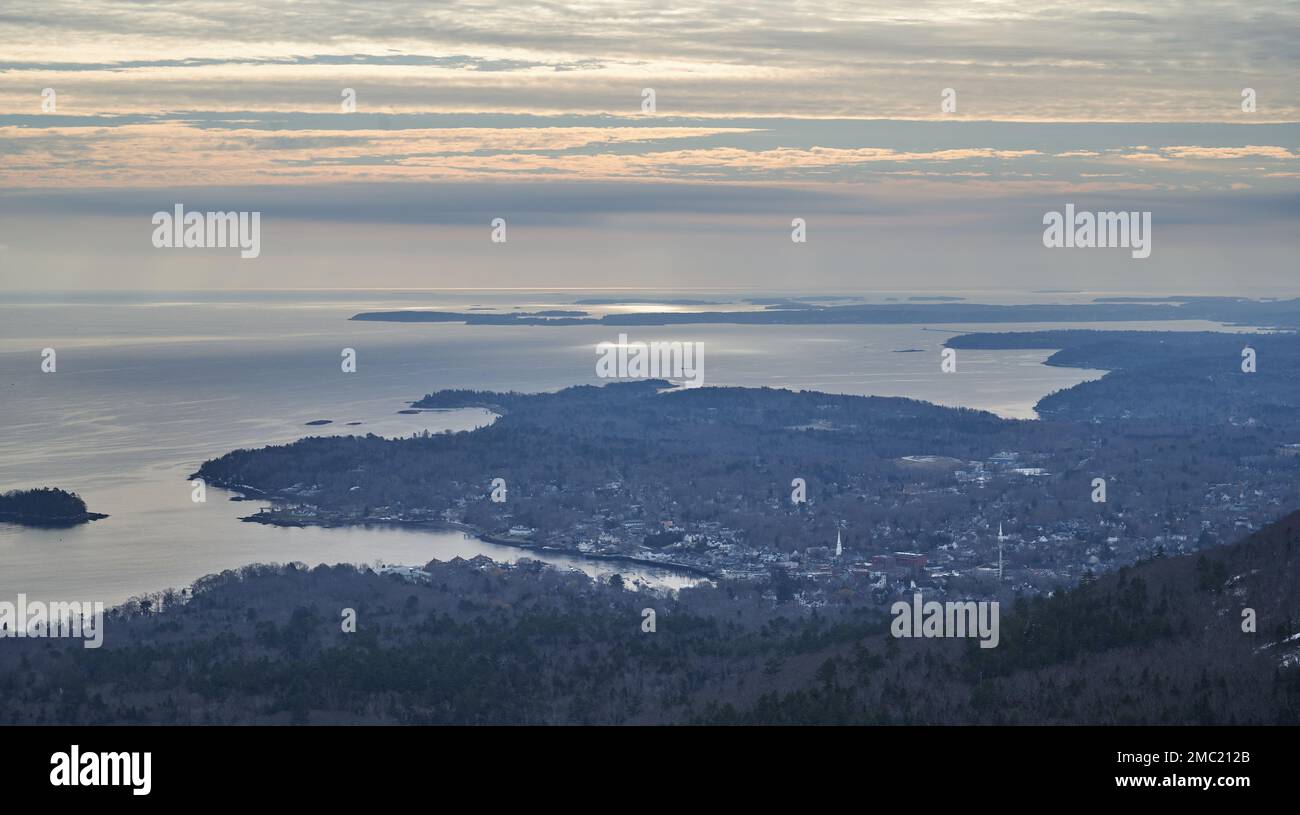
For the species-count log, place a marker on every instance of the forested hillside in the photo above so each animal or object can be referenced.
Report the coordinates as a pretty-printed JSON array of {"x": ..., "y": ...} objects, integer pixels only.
[{"x": 482, "y": 643}]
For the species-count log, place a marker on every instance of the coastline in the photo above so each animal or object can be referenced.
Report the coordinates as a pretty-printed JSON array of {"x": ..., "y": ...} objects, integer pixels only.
[
  {"x": 245, "y": 493},
  {"x": 49, "y": 521}
]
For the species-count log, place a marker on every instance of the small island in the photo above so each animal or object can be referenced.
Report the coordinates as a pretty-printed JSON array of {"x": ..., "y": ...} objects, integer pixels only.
[{"x": 45, "y": 506}]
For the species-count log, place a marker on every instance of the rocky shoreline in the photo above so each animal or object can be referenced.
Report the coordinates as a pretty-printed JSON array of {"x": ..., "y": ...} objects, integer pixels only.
[{"x": 50, "y": 521}]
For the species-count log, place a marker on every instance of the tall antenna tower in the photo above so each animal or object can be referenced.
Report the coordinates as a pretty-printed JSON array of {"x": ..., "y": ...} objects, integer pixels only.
[{"x": 1001, "y": 538}]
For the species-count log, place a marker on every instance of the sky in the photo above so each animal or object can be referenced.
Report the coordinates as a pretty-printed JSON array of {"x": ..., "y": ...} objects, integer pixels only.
[{"x": 536, "y": 113}]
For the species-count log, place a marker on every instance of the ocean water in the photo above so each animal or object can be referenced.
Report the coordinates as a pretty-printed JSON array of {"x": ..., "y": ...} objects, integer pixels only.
[{"x": 150, "y": 385}]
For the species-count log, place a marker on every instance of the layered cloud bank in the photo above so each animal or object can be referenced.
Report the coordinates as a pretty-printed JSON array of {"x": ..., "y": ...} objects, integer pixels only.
[
  {"x": 920, "y": 132},
  {"x": 1157, "y": 60}
]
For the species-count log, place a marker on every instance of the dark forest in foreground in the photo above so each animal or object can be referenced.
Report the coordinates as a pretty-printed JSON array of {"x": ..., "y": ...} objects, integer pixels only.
[{"x": 1160, "y": 642}]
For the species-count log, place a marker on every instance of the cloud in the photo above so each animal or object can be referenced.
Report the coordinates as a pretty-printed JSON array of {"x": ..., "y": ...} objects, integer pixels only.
[
  {"x": 445, "y": 203},
  {"x": 473, "y": 109},
  {"x": 459, "y": 61},
  {"x": 1249, "y": 151},
  {"x": 259, "y": 148},
  {"x": 1157, "y": 60}
]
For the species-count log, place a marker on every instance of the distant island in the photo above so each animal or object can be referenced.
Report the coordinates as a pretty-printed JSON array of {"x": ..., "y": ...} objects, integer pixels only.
[
  {"x": 604, "y": 301},
  {"x": 794, "y": 311},
  {"x": 829, "y": 298},
  {"x": 45, "y": 506},
  {"x": 549, "y": 317}
]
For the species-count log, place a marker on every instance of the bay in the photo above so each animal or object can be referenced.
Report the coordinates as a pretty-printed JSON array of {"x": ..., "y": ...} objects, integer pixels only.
[{"x": 149, "y": 385}]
